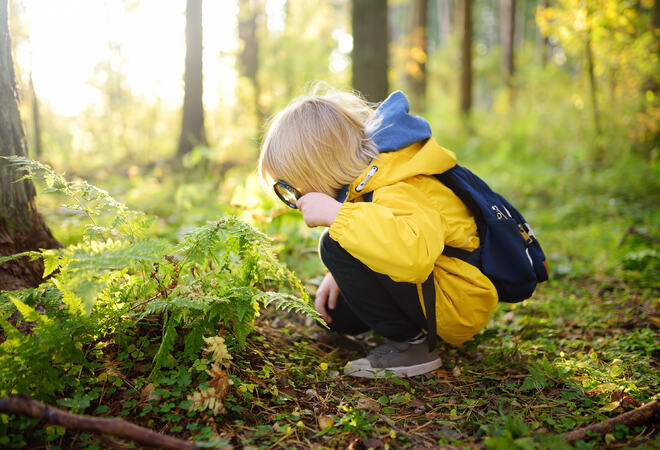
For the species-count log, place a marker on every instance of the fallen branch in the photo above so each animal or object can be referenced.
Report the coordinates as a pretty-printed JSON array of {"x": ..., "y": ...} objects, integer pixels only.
[
  {"x": 27, "y": 406},
  {"x": 640, "y": 416}
]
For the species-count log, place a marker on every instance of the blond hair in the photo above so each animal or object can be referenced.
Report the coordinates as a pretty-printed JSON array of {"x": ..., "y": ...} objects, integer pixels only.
[{"x": 319, "y": 143}]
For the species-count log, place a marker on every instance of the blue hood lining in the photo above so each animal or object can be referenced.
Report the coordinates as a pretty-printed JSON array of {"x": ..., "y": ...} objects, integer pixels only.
[{"x": 396, "y": 127}]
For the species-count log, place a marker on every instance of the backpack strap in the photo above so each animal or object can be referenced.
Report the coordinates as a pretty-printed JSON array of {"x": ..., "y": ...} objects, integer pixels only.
[
  {"x": 473, "y": 257},
  {"x": 428, "y": 292}
]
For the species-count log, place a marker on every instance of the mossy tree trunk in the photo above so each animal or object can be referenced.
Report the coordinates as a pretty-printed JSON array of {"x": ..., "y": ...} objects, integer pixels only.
[
  {"x": 21, "y": 226},
  {"x": 193, "y": 131}
]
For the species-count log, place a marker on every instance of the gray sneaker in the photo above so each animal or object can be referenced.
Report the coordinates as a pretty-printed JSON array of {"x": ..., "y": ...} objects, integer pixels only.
[{"x": 398, "y": 359}]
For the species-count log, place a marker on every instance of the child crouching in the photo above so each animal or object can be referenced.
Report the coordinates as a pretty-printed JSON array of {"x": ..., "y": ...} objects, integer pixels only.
[{"x": 367, "y": 175}]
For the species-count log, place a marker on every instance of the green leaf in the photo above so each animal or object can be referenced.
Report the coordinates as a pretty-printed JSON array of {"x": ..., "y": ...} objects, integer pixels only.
[
  {"x": 32, "y": 255},
  {"x": 615, "y": 370},
  {"x": 167, "y": 343},
  {"x": 51, "y": 262},
  {"x": 28, "y": 312}
]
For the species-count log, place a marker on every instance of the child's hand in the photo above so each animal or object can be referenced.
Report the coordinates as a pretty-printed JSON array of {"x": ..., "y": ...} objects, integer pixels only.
[
  {"x": 326, "y": 295},
  {"x": 318, "y": 209}
]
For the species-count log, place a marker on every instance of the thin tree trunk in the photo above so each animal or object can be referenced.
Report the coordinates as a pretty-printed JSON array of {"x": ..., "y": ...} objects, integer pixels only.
[
  {"x": 543, "y": 43},
  {"x": 370, "y": 48},
  {"x": 466, "y": 57},
  {"x": 248, "y": 59},
  {"x": 21, "y": 226},
  {"x": 593, "y": 86},
  {"x": 507, "y": 35},
  {"x": 35, "y": 120},
  {"x": 416, "y": 65},
  {"x": 192, "y": 125},
  {"x": 444, "y": 21},
  {"x": 655, "y": 27}
]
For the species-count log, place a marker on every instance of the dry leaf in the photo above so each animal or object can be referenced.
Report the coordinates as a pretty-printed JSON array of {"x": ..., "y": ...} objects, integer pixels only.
[
  {"x": 206, "y": 399},
  {"x": 216, "y": 346},
  {"x": 610, "y": 407},
  {"x": 212, "y": 397},
  {"x": 219, "y": 381},
  {"x": 147, "y": 392},
  {"x": 417, "y": 403},
  {"x": 368, "y": 403},
  {"x": 326, "y": 422},
  {"x": 372, "y": 443}
]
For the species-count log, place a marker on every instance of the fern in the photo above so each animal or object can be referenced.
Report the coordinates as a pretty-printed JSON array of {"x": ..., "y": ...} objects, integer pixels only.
[{"x": 219, "y": 273}]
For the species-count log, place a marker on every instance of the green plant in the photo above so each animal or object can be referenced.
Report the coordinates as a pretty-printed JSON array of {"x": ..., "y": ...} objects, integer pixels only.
[{"x": 121, "y": 277}]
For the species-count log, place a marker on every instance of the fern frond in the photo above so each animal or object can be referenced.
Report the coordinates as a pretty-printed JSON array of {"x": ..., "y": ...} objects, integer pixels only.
[
  {"x": 167, "y": 343},
  {"x": 31, "y": 254},
  {"x": 288, "y": 302}
]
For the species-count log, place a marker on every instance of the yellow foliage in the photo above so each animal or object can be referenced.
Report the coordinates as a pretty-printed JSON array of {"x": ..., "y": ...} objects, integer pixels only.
[
  {"x": 412, "y": 68},
  {"x": 418, "y": 54}
]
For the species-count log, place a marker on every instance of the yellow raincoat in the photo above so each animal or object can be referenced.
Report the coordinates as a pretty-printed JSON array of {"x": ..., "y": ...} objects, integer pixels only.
[{"x": 403, "y": 230}]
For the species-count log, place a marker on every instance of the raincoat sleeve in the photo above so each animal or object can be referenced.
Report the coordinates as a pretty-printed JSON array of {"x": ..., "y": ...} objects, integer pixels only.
[{"x": 399, "y": 234}]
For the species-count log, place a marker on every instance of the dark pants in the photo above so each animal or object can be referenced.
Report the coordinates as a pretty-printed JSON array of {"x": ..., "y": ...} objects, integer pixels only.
[{"x": 370, "y": 300}]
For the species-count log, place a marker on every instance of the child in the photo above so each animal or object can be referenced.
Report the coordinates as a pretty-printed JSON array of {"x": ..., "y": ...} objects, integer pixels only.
[{"x": 368, "y": 176}]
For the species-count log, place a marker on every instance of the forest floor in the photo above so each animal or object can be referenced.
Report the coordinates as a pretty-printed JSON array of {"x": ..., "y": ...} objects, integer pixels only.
[
  {"x": 580, "y": 351},
  {"x": 583, "y": 349}
]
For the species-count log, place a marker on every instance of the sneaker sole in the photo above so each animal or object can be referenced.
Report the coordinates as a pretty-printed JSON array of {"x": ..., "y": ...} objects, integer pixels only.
[{"x": 404, "y": 371}]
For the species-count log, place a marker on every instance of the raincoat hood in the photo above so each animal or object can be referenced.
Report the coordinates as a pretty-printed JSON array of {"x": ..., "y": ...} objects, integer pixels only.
[{"x": 405, "y": 146}]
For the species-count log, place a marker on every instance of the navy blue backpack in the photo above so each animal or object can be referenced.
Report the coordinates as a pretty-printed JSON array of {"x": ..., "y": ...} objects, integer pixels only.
[{"x": 509, "y": 254}]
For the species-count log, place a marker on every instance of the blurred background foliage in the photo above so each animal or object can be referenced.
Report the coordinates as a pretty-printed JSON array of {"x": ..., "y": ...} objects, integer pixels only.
[{"x": 569, "y": 132}]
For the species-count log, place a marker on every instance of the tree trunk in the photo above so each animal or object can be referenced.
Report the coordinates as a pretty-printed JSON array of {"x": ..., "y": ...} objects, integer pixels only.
[
  {"x": 21, "y": 226},
  {"x": 465, "y": 13},
  {"x": 543, "y": 43},
  {"x": 416, "y": 65},
  {"x": 370, "y": 49},
  {"x": 444, "y": 20},
  {"x": 655, "y": 28},
  {"x": 192, "y": 126},
  {"x": 248, "y": 59},
  {"x": 35, "y": 120},
  {"x": 507, "y": 30},
  {"x": 593, "y": 86}
]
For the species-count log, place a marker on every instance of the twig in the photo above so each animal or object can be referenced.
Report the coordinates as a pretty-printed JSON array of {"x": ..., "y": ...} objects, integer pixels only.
[
  {"x": 137, "y": 305},
  {"x": 27, "y": 406},
  {"x": 633, "y": 230},
  {"x": 399, "y": 430},
  {"x": 644, "y": 414}
]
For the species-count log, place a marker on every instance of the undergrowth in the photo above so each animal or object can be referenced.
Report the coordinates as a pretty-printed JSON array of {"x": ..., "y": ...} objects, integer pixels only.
[{"x": 120, "y": 279}]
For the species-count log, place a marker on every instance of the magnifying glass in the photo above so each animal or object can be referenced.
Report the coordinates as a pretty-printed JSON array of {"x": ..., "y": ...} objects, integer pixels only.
[{"x": 288, "y": 194}]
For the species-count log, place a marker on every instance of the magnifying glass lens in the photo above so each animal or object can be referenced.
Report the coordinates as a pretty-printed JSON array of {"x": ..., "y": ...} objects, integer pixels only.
[{"x": 287, "y": 194}]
